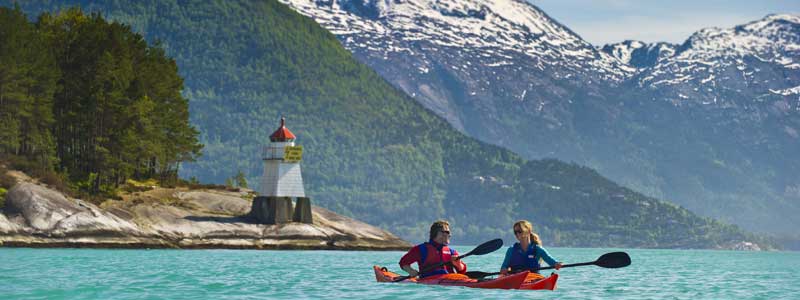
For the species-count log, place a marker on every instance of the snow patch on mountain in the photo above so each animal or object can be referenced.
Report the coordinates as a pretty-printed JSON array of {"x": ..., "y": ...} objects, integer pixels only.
[
  {"x": 624, "y": 51},
  {"x": 639, "y": 54},
  {"x": 787, "y": 92},
  {"x": 760, "y": 56},
  {"x": 492, "y": 27}
]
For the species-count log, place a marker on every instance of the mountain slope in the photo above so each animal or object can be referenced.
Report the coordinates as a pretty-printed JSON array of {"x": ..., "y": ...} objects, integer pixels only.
[
  {"x": 731, "y": 91},
  {"x": 371, "y": 152},
  {"x": 708, "y": 124}
]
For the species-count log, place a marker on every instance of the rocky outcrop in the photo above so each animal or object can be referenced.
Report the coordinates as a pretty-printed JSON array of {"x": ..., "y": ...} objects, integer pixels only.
[
  {"x": 47, "y": 211},
  {"x": 746, "y": 246},
  {"x": 36, "y": 216},
  {"x": 6, "y": 227}
]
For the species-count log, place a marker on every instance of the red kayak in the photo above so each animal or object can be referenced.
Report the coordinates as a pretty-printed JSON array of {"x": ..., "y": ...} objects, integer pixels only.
[{"x": 507, "y": 282}]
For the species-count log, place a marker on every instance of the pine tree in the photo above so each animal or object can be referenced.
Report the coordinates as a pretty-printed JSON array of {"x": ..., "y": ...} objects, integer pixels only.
[
  {"x": 27, "y": 82},
  {"x": 241, "y": 180},
  {"x": 229, "y": 182}
]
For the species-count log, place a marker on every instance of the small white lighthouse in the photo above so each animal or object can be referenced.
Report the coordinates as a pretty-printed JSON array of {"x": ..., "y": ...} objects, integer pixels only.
[
  {"x": 281, "y": 182},
  {"x": 282, "y": 177}
]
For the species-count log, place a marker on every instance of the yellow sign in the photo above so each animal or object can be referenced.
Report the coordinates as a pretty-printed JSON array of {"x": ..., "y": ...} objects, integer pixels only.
[{"x": 292, "y": 153}]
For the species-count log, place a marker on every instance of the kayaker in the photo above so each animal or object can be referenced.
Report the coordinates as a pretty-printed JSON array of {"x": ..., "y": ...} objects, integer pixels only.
[
  {"x": 432, "y": 252},
  {"x": 527, "y": 253}
]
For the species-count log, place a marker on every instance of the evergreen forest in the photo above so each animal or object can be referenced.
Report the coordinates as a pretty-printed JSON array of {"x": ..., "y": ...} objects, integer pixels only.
[{"x": 88, "y": 103}]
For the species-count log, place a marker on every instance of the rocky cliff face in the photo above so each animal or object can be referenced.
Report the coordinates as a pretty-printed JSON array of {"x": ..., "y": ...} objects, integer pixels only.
[
  {"x": 708, "y": 124},
  {"x": 36, "y": 216}
]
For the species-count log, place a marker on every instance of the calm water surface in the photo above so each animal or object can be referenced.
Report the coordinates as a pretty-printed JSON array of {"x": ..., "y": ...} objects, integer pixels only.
[{"x": 251, "y": 274}]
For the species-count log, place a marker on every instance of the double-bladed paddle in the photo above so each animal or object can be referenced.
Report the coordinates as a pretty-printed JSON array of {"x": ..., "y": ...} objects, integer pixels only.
[
  {"x": 608, "y": 260},
  {"x": 482, "y": 249}
]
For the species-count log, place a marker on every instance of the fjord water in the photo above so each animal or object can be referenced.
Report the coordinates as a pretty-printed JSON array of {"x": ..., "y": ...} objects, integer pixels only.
[{"x": 252, "y": 274}]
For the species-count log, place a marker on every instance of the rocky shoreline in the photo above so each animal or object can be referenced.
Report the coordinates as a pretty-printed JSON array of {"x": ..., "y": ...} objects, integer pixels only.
[{"x": 37, "y": 216}]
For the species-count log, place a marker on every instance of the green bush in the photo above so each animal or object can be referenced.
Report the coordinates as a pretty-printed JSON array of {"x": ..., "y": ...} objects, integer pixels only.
[{"x": 2, "y": 198}]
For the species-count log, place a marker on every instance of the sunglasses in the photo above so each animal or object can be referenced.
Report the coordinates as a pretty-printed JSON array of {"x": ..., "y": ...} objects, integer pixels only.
[
  {"x": 447, "y": 232},
  {"x": 518, "y": 231}
]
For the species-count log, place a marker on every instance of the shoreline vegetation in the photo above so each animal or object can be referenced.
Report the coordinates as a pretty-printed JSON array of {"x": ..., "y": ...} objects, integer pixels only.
[{"x": 171, "y": 218}]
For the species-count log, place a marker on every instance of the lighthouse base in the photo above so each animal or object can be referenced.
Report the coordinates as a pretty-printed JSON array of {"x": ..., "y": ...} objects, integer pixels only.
[{"x": 278, "y": 210}]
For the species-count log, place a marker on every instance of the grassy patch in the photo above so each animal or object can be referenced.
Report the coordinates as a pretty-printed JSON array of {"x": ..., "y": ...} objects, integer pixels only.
[
  {"x": 133, "y": 186},
  {"x": 194, "y": 185},
  {"x": 250, "y": 196}
]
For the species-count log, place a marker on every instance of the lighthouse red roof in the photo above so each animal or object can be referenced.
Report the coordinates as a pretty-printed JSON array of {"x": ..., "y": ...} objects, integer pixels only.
[{"x": 282, "y": 134}]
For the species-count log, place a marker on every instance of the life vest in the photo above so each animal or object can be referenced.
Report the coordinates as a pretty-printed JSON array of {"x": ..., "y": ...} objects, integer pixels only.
[
  {"x": 523, "y": 259},
  {"x": 429, "y": 255}
]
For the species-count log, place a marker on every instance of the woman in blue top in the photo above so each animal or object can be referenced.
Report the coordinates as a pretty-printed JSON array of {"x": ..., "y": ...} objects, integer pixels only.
[{"x": 527, "y": 253}]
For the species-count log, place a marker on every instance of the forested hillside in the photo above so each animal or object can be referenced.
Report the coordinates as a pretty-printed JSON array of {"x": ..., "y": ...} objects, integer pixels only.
[{"x": 371, "y": 152}]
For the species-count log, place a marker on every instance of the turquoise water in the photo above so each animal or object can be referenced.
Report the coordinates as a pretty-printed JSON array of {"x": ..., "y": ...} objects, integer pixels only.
[{"x": 252, "y": 274}]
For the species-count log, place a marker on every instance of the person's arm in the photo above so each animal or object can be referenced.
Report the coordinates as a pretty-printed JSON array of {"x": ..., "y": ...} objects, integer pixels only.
[
  {"x": 541, "y": 252},
  {"x": 412, "y": 256},
  {"x": 506, "y": 261},
  {"x": 411, "y": 272},
  {"x": 459, "y": 265}
]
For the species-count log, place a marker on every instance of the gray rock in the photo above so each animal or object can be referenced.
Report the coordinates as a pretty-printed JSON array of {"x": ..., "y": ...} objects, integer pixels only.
[
  {"x": 746, "y": 246},
  {"x": 217, "y": 201},
  {"x": 48, "y": 211},
  {"x": 40, "y": 207},
  {"x": 38, "y": 216},
  {"x": 6, "y": 227}
]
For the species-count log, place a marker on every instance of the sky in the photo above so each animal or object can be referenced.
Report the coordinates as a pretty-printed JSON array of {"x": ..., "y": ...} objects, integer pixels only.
[{"x": 610, "y": 21}]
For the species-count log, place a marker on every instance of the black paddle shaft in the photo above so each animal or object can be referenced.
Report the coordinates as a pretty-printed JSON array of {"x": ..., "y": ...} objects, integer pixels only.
[
  {"x": 609, "y": 260},
  {"x": 482, "y": 249}
]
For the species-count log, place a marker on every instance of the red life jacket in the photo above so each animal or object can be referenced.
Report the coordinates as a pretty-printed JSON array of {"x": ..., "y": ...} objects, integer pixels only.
[{"x": 429, "y": 255}]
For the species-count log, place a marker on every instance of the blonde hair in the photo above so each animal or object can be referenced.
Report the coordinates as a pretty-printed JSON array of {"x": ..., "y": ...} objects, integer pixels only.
[
  {"x": 525, "y": 225},
  {"x": 436, "y": 227}
]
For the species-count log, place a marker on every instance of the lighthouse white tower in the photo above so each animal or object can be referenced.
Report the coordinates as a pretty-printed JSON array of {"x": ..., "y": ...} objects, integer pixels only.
[{"x": 282, "y": 176}]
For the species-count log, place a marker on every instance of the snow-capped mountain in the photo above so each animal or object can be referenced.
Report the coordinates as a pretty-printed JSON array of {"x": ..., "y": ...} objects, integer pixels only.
[
  {"x": 758, "y": 59},
  {"x": 455, "y": 56},
  {"x": 486, "y": 27},
  {"x": 712, "y": 124}
]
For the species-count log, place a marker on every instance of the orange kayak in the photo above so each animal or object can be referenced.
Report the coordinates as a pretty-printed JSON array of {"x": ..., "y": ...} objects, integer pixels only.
[
  {"x": 535, "y": 281},
  {"x": 508, "y": 282}
]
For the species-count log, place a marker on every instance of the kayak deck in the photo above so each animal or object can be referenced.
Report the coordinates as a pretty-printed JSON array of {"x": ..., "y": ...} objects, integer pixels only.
[
  {"x": 536, "y": 281},
  {"x": 514, "y": 281}
]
